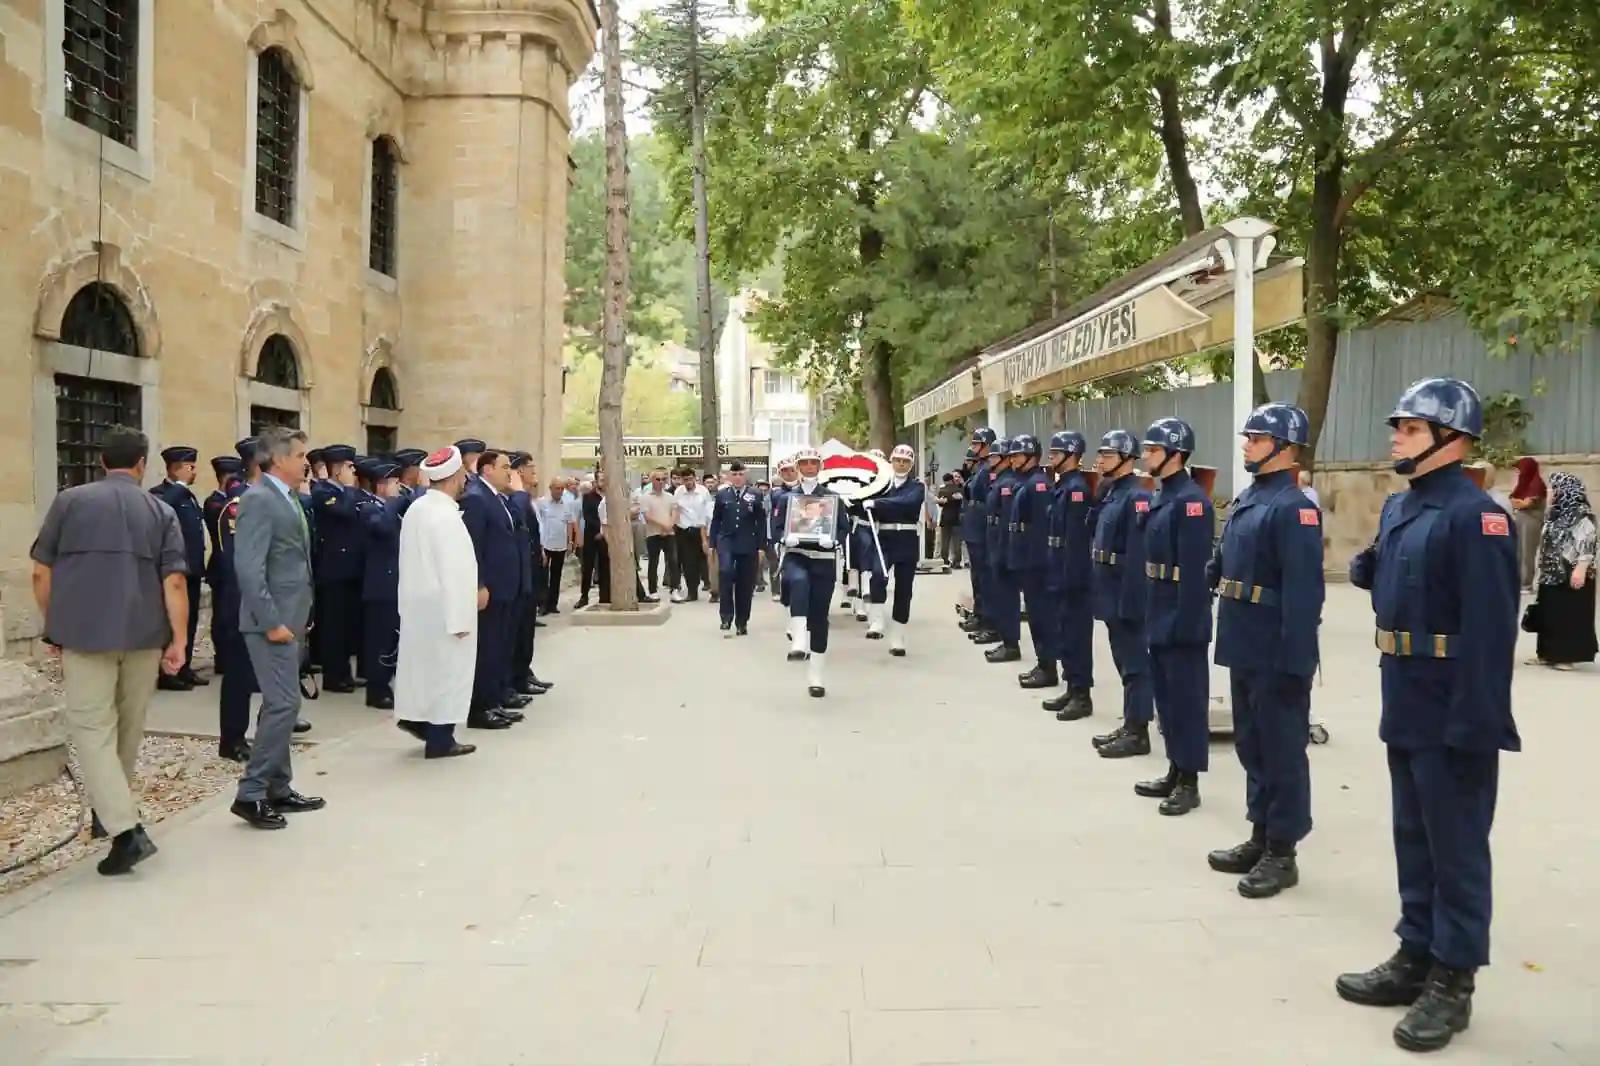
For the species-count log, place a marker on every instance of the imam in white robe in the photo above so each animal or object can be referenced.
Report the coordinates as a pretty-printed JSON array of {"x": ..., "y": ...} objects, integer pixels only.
[{"x": 438, "y": 599}]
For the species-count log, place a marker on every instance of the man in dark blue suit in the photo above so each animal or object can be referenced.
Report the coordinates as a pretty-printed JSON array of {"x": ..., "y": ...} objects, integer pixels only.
[
  {"x": 738, "y": 526},
  {"x": 487, "y": 513},
  {"x": 380, "y": 580},
  {"x": 176, "y": 494},
  {"x": 524, "y": 487}
]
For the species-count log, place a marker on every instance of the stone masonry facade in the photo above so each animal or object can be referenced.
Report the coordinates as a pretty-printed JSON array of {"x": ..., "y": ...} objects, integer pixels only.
[{"x": 464, "y": 104}]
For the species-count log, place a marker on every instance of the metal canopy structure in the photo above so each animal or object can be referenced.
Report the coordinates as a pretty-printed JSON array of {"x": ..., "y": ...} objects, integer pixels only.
[{"x": 1218, "y": 287}]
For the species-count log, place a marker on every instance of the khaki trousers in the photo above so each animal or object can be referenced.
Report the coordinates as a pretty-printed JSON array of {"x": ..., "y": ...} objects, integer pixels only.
[
  {"x": 107, "y": 695},
  {"x": 712, "y": 577}
]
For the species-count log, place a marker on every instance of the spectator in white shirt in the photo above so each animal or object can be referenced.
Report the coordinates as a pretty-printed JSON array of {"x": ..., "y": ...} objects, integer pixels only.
[
  {"x": 557, "y": 534},
  {"x": 694, "y": 514},
  {"x": 1311, "y": 493}
]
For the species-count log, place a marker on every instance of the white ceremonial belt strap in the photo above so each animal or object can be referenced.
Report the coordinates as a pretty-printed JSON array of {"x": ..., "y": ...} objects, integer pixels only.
[
  {"x": 897, "y": 527},
  {"x": 815, "y": 553}
]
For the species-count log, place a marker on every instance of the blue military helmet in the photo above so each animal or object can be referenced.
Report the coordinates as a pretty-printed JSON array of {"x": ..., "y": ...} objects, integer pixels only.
[
  {"x": 1119, "y": 442},
  {"x": 1000, "y": 448},
  {"x": 1069, "y": 441},
  {"x": 1445, "y": 402},
  {"x": 1026, "y": 445},
  {"x": 1280, "y": 421},
  {"x": 1170, "y": 434},
  {"x": 983, "y": 436}
]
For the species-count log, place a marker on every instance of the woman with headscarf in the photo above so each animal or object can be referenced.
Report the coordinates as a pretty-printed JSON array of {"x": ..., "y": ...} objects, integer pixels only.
[
  {"x": 1564, "y": 612},
  {"x": 1527, "y": 501}
]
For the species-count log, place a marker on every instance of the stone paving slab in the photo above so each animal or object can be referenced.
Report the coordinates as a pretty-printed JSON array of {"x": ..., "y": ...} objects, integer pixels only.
[{"x": 682, "y": 860}]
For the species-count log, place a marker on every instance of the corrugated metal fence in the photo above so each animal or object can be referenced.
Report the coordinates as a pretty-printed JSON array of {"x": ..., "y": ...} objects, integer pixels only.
[{"x": 1561, "y": 391}]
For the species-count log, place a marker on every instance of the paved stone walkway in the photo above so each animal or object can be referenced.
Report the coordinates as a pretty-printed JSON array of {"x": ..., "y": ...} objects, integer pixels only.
[{"x": 681, "y": 859}]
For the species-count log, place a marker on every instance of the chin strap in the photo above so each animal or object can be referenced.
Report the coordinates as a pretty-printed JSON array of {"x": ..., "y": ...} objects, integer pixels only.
[
  {"x": 1407, "y": 467},
  {"x": 1278, "y": 446}
]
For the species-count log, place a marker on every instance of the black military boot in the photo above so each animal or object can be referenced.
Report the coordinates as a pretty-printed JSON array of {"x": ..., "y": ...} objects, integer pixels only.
[
  {"x": 128, "y": 849},
  {"x": 986, "y": 635},
  {"x": 1276, "y": 871},
  {"x": 1079, "y": 705},
  {"x": 1056, "y": 704},
  {"x": 1443, "y": 1010},
  {"x": 1103, "y": 739},
  {"x": 970, "y": 624},
  {"x": 1185, "y": 797},
  {"x": 1135, "y": 740},
  {"x": 1241, "y": 858},
  {"x": 1041, "y": 676},
  {"x": 1005, "y": 653},
  {"x": 1161, "y": 787},
  {"x": 1394, "y": 983}
]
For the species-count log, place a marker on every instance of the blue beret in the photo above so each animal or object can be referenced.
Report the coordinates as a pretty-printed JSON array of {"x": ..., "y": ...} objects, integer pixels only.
[
  {"x": 249, "y": 449},
  {"x": 338, "y": 453},
  {"x": 227, "y": 464},
  {"x": 471, "y": 446},
  {"x": 180, "y": 453},
  {"x": 410, "y": 457},
  {"x": 520, "y": 460}
]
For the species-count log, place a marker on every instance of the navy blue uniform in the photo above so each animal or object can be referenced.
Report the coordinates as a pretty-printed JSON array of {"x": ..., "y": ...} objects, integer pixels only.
[
  {"x": 897, "y": 512},
  {"x": 211, "y": 511},
  {"x": 1443, "y": 577},
  {"x": 191, "y": 522},
  {"x": 1027, "y": 557},
  {"x": 1005, "y": 597},
  {"x": 1068, "y": 574},
  {"x": 974, "y": 524},
  {"x": 809, "y": 577},
  {"x": 239, "y": 679},
  {"x": 1268, "y": 576},
  {"x": 1118, "y": 592},
  {"x": 502, "y": 557},
  {"x": 380, "y": 594},
  {"x": 1177, "y": 543},
  {"x": 738, "y": 527},
  {"x": 527, "y": 530},
  {"x": 338, "y": 575}
]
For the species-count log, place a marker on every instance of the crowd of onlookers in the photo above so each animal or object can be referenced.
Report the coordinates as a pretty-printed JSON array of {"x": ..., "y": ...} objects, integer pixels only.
[{"x": 1555, "y": 556}]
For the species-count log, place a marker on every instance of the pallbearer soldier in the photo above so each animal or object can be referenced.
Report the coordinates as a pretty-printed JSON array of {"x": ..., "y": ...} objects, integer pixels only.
[
  {"x": 810, "y": 570},
  {"x": 973, "y": 525},
  {"x": 1268, "y": 575},
  {"x": 897, "y": 513},
  {"x": 738, "y": 524},
  {"x": 1005, "y": 603},
  {"x": 1028, "y": 557},
  {"x": 380, "y": 581},
  {"x": 1118, "y": 591},
  {"x": 1443, "y": 576},
  {"x": 1177, "y": 544},
  {"x": 1068, "y": 574}
]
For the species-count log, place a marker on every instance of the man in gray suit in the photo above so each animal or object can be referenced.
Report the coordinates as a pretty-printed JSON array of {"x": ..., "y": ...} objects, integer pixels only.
[{"x": 272, "y": 564}]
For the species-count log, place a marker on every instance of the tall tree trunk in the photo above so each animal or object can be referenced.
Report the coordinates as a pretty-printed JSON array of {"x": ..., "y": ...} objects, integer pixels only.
[
  {"x": 1322, "y": 295},
  {"x": 707, "y": 336},
  {"x": 614, "y": 329},
  {"x": 877, "y": 382}
]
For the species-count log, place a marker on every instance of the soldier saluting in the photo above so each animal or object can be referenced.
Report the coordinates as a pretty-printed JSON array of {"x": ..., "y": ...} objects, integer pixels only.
[{"x": 1443, "y": 577}]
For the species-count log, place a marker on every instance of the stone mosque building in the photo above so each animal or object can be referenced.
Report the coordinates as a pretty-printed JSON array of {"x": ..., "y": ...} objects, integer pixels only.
[{"x": 345, "y": 215}]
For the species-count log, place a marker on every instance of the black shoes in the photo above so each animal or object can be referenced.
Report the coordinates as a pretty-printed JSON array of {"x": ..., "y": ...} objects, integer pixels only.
[
  {"x": 1185, "y": 796},
  {"x": 742, "y": 630},
  {"x": 1071, "y": 706},
  {"x": 239, "y": 753},
  {"x": 259, "y": 814},
  {"x": 514, "y": 701},
  {"x": 986, "y": 635},
  {"x": 816, "y": 691},
  {"x": 292, "y": 802},
  {"x": 193, "y": 679},
  {"x": 490, "y": 719},
  {"x": 511, "y": 714},
  {"x": 96, "y": 830},
  {"x": 1159, "y": 788},
  {"x": 128, "y": 849},
  {"x": 1005, "y": 653},
  {"x": 381, "y": 703},
  {"x": 1124, "y": 743},
  {"x": 453, "y": 751},
  {"x": 1276, "y": 871},
  {"x": 1396, "y": 982},
  {"x": 1041, "y": 676},
  {"x": 302, "y": 726},
  {"x": 343, "y": 687},
  {"x": 173, "y": 683},
  {"x": 726, "y": 624},
  {"x": 1241, "y": 858},
  {"x": 415, "y": 729},
  {"x": 1440, "y": 998}
]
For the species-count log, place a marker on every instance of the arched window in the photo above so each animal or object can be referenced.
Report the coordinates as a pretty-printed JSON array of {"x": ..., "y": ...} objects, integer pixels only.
[
  {"x": 97, "y": 318},
  {"x": 277, "y": 135},
  {"x": 385, "y": 396},
  {"x": 277, "y": 364},
  {"x": 385, "y": 206}
]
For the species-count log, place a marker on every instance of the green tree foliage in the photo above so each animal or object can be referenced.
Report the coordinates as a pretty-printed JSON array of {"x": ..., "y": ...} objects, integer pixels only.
[{"x": 650, "y": 408}]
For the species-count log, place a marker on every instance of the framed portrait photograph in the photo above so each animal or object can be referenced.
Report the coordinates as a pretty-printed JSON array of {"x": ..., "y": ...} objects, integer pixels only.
[{"x": 811, "y": 518}]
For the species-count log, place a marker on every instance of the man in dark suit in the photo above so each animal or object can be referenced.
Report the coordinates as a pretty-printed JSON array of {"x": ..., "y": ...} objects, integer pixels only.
[
  {"x": 176, "y": 494},
  {"x": 487, "y": 513},
  {"x": 524, "y": 487},
  {"x": 272, "y": 566}
]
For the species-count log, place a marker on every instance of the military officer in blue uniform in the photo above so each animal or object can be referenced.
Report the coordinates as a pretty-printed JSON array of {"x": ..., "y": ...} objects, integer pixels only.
[
  {"x": 335, "y": 502},
  {"x": 1027, "y": 556},
  {"x": 898, "y": 514},
  {"x": 411, "y": 488},
  {"x": 1444, "y": 583},
  {"x": 380, "y": 580},
  {"x": 738, "y": 526},
  {"x": 974, "y": 525},
  {"x": 226, "y": 468},
  {"x": 1068, "y": 573},
  {"x": 1267, "y": 574},
  {"x": 176, "y": 494},
  {"x": 239, "y": 680},
  {"x": 316, "y": 465},
  {"x": 1005, "y": 597},
  {"x": 810, "y": 571},
  {"x": 1178, "y": 532},
  {"x": 1117, "y": 588}
]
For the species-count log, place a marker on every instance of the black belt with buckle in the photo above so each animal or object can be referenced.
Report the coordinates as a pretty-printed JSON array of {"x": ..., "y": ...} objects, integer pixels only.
[
  {"x": 1057, "y": 542},
  {"x": 1230, "y": 589},
  {"x": 1161, "y": 571},
  {"x": 1417, "y": 645},
  {"x": 1105, "y": 558}
]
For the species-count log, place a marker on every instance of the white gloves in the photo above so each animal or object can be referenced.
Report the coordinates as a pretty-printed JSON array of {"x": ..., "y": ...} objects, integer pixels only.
[
  {"x": 826, "y": 543},
  {"x": 791, "y": 541}
]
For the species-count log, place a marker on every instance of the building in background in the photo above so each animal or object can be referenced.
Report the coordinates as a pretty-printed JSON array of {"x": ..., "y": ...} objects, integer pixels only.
[
  {"x": 755, "y": 398},
  {"x": 683, "y": 367}
]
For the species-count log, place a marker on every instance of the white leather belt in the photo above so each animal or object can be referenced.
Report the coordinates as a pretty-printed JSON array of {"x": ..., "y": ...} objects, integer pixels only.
[
  {"x": 815, "y": 553},
  {"x": 897, "y": 527}
]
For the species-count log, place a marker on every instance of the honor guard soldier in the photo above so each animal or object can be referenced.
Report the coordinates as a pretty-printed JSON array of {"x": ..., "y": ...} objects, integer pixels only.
[
  {"x": 898, "y": 515},
  {"x": 1004, "y": 593},
  {"x": 525, "y": 477},
  {"x": 1267, "y": 573},
  {"x": 380, "y": 581},
  {"x": 997, "y": 465},
  {"x": 974, "y": 517},
  {"x": 738, "y": 526},
  {"x": 810, "y": 571},
  {"x": 339, "y": 565},
  {"x": 1178, "y": 533},
  {"x": 410, "y": 460},
  {"x": 1028, "y": 557},
  {"x": 1068, "y": 574},
  {"x": 1444, "y": 583},
  {"x": 226, "y": 468},
  {"x": 1117, "y": 587},
  {"x": 317, "y": 465},
  {"x": 176, "y": 494}
]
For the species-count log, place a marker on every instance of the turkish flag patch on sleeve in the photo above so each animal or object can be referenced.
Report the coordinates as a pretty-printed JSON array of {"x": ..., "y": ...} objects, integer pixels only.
[
  {"x": 1496, "y": 525},
  {"x": 1077, "y": 497},
  {"x": 1309, "y": 516},
  {"x": 1141, "y": 505},
  {"x": 1040, "y": 486},
  {"x": 1195, "y": 509},
  {"x": 1005, "y": 491}
]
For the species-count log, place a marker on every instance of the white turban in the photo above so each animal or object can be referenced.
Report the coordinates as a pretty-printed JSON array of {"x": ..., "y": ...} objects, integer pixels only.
[{"x": 442, "y": 463}]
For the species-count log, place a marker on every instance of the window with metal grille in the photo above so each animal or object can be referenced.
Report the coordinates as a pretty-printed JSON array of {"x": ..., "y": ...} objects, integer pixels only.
[
  {"x": 97, "y": 318},
  {"x": 277, "y": 135},
  {"x": 381, "y": 440},
  {"x": 385, "y": 206},
  {"x": 263, "y": 417},
  {"x": 384, "y": 396},
  {"x": 277, "y": 364},
  {"x": 100, "y": 44},
  {"x": 85, "y": 409}
]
